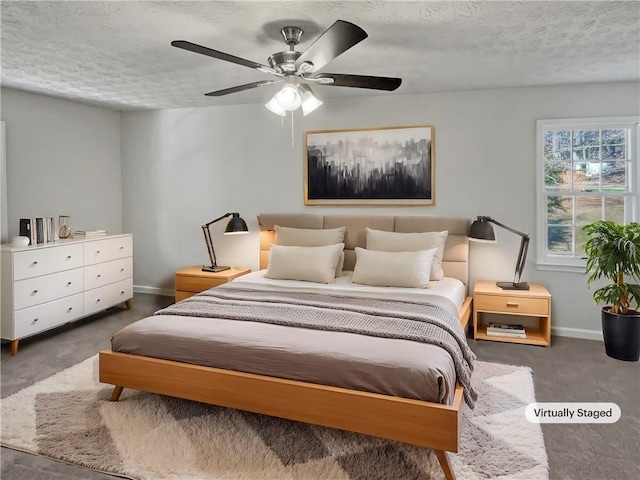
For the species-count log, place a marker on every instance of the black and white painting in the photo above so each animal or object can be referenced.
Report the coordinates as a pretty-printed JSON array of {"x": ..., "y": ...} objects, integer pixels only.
[{"x": 385, "y": 166}]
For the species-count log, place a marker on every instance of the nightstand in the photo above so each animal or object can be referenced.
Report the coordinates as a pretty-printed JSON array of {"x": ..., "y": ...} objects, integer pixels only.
[
  {"x": 532, "y": 303},
  {"x": 192, "y": 280}
]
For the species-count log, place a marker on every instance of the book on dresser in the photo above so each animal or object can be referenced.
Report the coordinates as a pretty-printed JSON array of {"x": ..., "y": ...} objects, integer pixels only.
[
  {"x": 25, "y": 228},
  {"x": 506, "y": 330},
  {"x": 89, "y": 233}
]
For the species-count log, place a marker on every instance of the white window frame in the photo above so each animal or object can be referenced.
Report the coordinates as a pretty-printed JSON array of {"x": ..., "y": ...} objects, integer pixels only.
[{"x": 574, "y": 263}]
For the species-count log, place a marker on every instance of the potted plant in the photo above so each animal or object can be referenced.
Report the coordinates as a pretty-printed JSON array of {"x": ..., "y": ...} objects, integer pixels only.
[{"x": 613, "y": 253}]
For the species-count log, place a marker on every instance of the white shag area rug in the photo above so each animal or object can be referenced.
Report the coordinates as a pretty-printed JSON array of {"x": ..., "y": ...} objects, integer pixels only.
[{"x": 68, "y": 417}]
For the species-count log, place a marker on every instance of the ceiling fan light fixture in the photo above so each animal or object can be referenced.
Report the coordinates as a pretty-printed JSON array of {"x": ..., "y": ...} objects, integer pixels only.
[
  {"x": 289, "y": 97},
  {"x": 274, "y": 107},
  {"x": 309, "y": 101}
]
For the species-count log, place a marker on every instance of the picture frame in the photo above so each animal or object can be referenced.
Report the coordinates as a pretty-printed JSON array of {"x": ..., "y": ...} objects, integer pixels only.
[{"x": 370, "y": 166}]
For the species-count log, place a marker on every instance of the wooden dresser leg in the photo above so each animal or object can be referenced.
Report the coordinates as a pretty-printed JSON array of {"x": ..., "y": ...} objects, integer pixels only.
[
  {"x": 14, "y": 347},
  {"x": 128, "y": 304},
  {"x": 115, "y": 395},
  {"x": 444, "y": 463}
]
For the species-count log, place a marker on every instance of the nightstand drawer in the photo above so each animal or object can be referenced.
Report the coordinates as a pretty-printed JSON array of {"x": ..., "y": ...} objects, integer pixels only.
[
  {"x": 197, "y": 284},
  {"x": 511, "y": 304}
]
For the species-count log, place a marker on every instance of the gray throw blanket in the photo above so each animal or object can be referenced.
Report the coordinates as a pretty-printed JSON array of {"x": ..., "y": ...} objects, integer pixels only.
[{"x": 366, "y": 316}]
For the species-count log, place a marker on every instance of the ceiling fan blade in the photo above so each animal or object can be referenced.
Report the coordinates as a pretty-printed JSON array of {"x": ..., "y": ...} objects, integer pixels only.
[
  {"x": 335, "y": 40},
  {"x": 194, "y": 47},
  {"x": 360, "y": 81},
  {"x": 240, "y": 88}
]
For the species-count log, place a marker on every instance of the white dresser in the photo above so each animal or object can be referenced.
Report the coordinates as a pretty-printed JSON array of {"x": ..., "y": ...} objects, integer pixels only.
[{"x": 48, "y": 285}]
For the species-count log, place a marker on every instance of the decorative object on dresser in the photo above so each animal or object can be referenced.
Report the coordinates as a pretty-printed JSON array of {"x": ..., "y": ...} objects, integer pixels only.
[
  {"x": 192, "y": 280},
  {"x": 613, "y": 253},
  {"x": 20, "y": 241},
  {"x": 372, "y": 166},
  {"x": 48, "y": 285},
  {"x": 488, "y": 298},
  {"x": 64, "y": 226},
  {"x": 235, "y": 226},
  {"x": 481, "y": 230},
  {"x": 89, "y": 233}
]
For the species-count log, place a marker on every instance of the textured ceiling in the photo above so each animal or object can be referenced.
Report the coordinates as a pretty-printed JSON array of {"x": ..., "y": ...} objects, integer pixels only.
[{"x": 117, "y": 54}]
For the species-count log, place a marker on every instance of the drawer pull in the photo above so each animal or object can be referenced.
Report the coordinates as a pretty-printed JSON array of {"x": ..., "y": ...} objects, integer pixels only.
[
  {"x": 68, "y": 257},
  {"x": 513, "y": 304},
  {"x": 122, "y": 269},
  {"x": 69, "y": 309},
  {"x": 99, "y": 275},
  {"x": 98, "y": 300},
  {"x": 68, "y": 283},
  {"x": 35, "y": 320},
  {"x": 122, "y": 292},
  {"x": 35, "y": 262},
  {"x": 121, "y": 248},
  {"x": 97, "y": 252},
  {"x": 35, "y": 291}
]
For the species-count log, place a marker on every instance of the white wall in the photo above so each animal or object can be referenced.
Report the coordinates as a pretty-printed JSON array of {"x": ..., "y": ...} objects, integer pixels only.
[
  {"x": 62, "y": 158},
  {"x": 184, "y": 167}
]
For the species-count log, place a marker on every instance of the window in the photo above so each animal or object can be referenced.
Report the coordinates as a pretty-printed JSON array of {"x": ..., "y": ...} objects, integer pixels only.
[{"x": 587, "y": 171}]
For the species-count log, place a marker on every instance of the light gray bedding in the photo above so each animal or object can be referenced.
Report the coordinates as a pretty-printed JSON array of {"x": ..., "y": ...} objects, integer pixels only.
[{"x": 399, "y": 367}]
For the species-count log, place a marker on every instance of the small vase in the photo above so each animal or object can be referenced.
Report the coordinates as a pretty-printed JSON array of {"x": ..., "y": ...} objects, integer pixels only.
[{"x": 64, "y": 226}]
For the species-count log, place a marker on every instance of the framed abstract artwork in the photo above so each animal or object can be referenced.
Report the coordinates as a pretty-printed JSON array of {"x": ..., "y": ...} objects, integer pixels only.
[{"x": 373, "y": 166}]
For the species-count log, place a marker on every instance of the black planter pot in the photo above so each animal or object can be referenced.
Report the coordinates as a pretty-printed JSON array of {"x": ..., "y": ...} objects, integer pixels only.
[{"x": 621, "y": 335}]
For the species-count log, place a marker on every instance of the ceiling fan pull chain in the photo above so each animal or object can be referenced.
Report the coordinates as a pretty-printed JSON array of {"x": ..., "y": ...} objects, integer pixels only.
[{"x": 292, "y": 115}]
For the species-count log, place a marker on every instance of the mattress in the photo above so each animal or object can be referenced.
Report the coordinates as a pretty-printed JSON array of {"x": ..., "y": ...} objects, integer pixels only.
[{"x": 388, "y": 366}]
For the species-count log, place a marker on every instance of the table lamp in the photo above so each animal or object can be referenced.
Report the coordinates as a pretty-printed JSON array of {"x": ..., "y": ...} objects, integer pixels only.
[
  {"x": 235, "y": 226},
  {"x": 482, "y": 230}
]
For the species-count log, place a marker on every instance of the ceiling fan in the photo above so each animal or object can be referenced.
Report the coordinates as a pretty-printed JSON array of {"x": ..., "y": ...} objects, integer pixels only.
[{"x": 297, "y": 70}]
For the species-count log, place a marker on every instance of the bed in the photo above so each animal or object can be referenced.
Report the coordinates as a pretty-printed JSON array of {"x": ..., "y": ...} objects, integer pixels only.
[{"x": 378, "y": 403}]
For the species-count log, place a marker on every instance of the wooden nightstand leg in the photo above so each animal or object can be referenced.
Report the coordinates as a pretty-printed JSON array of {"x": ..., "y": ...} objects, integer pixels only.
[
  {"x": 128, "y": 304},
  {"x": 14, "y": 347}
]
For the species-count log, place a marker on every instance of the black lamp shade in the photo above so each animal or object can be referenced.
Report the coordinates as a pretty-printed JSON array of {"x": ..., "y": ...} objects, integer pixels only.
[
  {"x": 482, "y": 230},
  {"x": 236, "y": 225}
]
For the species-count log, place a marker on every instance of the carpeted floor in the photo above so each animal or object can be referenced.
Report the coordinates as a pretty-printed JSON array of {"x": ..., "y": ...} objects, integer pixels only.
[
  {"x": 571, "y": 370},
  {"x": 68, "y": 417}
]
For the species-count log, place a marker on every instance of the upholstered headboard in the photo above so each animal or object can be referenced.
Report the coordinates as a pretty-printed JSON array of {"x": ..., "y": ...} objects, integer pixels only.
[{"x": 456, "y": 253}]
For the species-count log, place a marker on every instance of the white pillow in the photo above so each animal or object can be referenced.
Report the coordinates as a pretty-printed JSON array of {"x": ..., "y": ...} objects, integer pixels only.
[
  {"x": 311, "y": 264},
  {"x": 410, "y": 242},
  {"x": 311, "y": 237},
  {"x": 393, "y": 269}
]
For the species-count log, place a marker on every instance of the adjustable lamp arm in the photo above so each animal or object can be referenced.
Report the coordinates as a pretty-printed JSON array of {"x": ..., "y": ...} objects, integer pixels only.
[
  {"x": 209, "y": 242},
  {"x": 482, "y": 233},
  {"x": 491, "y": 220},
  {"x": 207, "y": 225},
  {"x": 235, "y": 225}
]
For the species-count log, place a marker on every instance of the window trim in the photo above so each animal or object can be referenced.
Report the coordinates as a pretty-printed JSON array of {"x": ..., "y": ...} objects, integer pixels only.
[{"x": 573, "y": 263}]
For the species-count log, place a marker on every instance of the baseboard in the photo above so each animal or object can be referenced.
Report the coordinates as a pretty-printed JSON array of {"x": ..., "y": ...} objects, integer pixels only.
[
  {"x": 154, "y": 291},
  {"x": 577, "y": 333}
]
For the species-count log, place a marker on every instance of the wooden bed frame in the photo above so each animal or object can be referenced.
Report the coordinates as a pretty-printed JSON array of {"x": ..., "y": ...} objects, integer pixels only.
[{"x": 425, "y": 424}]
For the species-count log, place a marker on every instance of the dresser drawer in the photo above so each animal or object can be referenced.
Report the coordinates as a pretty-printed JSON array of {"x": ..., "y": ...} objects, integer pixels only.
[
  {"x": 34, "y": 291},
  {"x": 107, "y": 296},
  {"x": 47, "y": 315},
  {"x": 98, "y": 251},
  {"x": 102, "y": 274},
  {"x": 511, "y": 304},
  {"x": 31, "y": 263}
]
